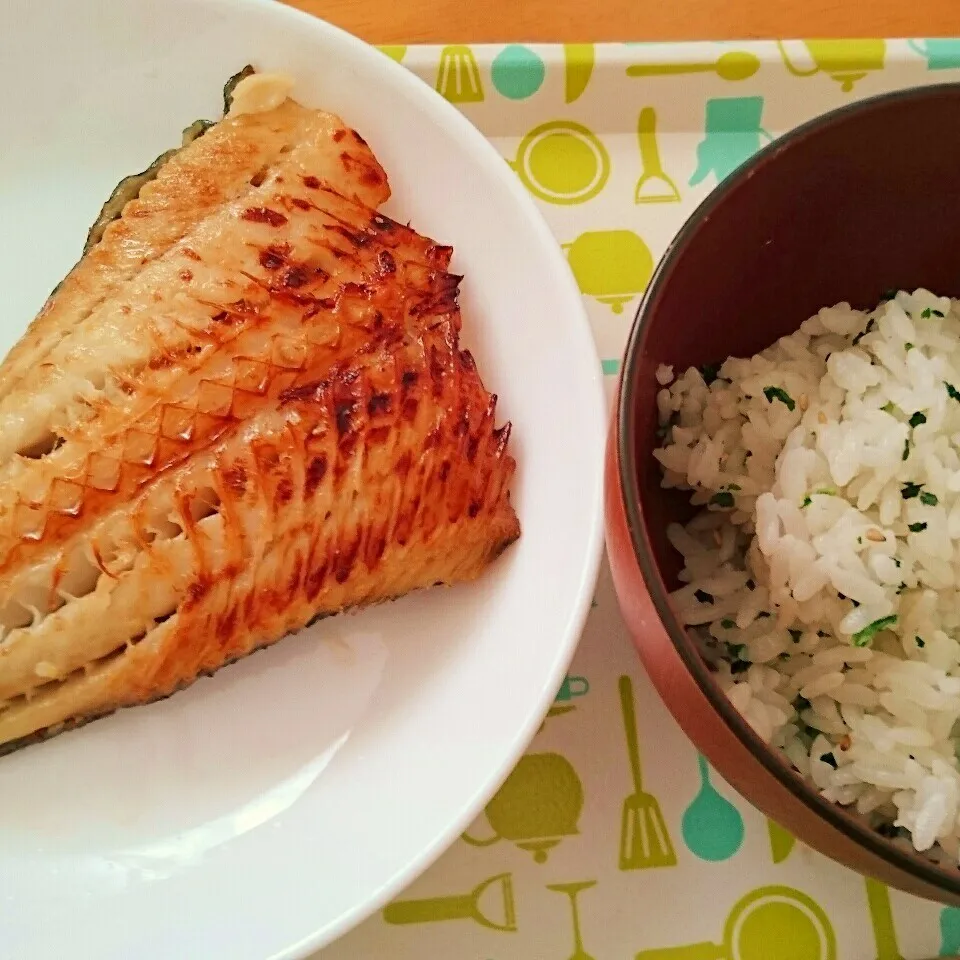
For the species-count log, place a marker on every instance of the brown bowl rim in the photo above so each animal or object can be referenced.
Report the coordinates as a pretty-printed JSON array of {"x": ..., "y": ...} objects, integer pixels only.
[{"x": 838, "y": 817}]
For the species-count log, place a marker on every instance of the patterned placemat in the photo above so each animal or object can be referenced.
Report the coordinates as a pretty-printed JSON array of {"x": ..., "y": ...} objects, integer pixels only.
[{"x": 612, "y": 838}]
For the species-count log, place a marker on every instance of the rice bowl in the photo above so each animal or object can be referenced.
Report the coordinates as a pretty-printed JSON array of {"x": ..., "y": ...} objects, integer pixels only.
[
  {"x": 821, "y": 574},
  {"x": 836, "y": 210}
]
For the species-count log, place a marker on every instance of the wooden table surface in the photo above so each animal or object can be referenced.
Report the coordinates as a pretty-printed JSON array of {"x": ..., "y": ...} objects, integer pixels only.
[{"x": 437, "y": 21}]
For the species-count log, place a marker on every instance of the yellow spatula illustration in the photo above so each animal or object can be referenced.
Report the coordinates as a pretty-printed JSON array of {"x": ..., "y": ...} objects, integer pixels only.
[
  {"x": 458, "y": 77},
  {"x": 644, "y": 841}
]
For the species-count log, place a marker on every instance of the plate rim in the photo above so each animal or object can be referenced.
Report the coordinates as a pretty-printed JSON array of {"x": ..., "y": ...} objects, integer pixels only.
[
  {"x": 590, "y": 376},
  {"x": 590, "y": 571}
]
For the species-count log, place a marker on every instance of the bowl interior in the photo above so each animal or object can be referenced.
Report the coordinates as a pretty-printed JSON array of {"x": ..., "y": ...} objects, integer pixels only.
[{"x": 842, "y": 209}]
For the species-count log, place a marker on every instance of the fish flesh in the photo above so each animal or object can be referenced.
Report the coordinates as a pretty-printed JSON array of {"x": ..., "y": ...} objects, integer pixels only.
[{"x": 246, "y": 407}]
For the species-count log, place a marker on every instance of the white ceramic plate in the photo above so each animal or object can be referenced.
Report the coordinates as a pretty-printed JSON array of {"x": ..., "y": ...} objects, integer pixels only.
[{"x": 265, "y": 811}]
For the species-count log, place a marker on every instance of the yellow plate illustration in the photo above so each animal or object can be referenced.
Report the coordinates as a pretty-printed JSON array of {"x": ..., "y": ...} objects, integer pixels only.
[
  {"x": 770, "y": 923},
  {"x": 562, "y": 162}
]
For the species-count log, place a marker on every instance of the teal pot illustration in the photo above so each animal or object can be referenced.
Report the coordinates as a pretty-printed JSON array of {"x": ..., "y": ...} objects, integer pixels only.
[{"x": 732, "y": 134}]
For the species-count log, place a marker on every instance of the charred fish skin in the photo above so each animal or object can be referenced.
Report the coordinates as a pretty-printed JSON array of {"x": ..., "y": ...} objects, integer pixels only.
[
  {"x": 280, "y": 425},
  {"x": 129, "y": 188},
  {"x": 178, "y": 193}
]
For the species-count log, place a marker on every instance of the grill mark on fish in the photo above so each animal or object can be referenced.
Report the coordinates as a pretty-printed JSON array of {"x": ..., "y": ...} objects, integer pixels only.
[
  {"x": 274, "y": 256},
  {"x": 265, "y": 215}
]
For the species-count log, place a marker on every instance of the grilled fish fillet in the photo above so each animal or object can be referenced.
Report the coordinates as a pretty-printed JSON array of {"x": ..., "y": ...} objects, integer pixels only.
[{"x": 246, "y": 408}]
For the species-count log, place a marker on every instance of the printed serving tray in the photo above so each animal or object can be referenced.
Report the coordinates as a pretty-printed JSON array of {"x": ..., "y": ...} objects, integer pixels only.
[{"x": 613, "y": 839}]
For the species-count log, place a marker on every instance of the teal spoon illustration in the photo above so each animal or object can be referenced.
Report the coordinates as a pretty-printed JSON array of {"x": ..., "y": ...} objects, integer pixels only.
[
  {"x": 712, "y": 826},
  {"x": 949, "y": 931}
]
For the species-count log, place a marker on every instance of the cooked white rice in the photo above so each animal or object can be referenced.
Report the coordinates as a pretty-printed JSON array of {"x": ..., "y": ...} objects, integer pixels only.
[{"x": 823, "y": 572}]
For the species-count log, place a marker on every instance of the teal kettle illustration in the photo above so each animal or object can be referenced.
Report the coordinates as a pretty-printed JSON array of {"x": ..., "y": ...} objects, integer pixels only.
[
  {"x": 573, "y": 687},
  {"x": 941, "y": 53},
  {"x": 732, "y": 134}
]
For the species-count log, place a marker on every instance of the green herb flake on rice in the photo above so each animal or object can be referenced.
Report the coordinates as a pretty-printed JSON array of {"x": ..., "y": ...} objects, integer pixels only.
[
  {"x": 862, "y": 637},
  {"x": 710, "y": 372},
  {"x": 778, "y": 393},
  {"x": 867, "y": 329}
]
